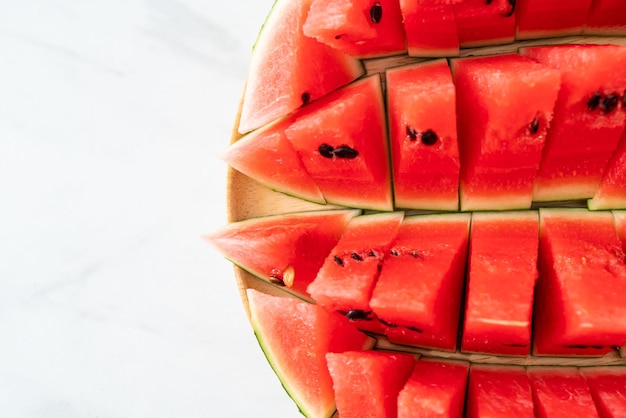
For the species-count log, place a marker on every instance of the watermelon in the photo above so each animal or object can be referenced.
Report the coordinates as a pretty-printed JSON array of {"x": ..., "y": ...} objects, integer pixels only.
[
  {"x": 579, "y": 307},
  {"x": 611, "y": 193},
  {"x": 280, "y": 325},
  {"x": 501, "y": 278},
  {"x": 434, "y": 389},
  {"x": 544, "y": 19},
  {"x": 499, "y": 392},
  {"x": 430, "y": 28},
  {"x": 504, "y": 107},
  {"x": 418, "y": 293},
  {"x": 306, "y": 70},
  {"x": 606, "y": 17},
  {"x": 287, "y": 250},
  {"x": 367, "y": 383},
  {"x": 587, "y": 123},
  {"x": 608, "y": 388},
  {"x": 484, "y": 22},
  {"x": 558, "y": 391},
  {"x": 422, "y": 130},
  {"x": 360, "y": 28},
  {"x": 619, "y": 216}
]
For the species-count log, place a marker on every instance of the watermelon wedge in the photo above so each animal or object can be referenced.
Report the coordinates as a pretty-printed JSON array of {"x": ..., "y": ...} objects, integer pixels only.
[
  {"x": 305, "y": 71},
  {"x": 611, "y": 193},
  {"x": 280, "y": 325},
  {"x": 430, "y": 28},
  {"x": 545, "y": 19},
  {"x": 484, "y": 22},
  {"x": 608, "y": 388}
]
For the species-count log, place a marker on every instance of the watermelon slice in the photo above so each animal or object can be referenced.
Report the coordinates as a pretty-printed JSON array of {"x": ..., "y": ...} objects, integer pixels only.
[
  {"x": 587, "y": 123},
  {"x": 611, "y": 194},
  {"x": 288, "y": 69},
  {"x": 579, "y": 307},
  {"x": 606, "y": 17},
  {"x": 296, "y": 337},
  {"x": 499, "y": 392},
  {"x": 418, "y": 294},
  {"x": 558, "y": 391},
  {"x": 287, "y": 250},
  {"x": 367, "y": 383},
  {"x": 430, "y": 28},
  {"x": 360, "y": 28},
  {"x": 484, "y": 22},
  {"x": 434, "y": 389},
  {"x": 504, "y": 107},
  {"x": 545, "y": 19},
  {"x": 422, "y": 130},
  {"x": 608, "y": 388},
  {"x": 501, "y": 281}
]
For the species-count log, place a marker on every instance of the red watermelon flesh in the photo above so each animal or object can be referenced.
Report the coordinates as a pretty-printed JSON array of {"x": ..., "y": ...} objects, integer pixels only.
[
  {"x": 422, "y": 128},
  {"x": 619, "y": 217},
  {"x": 588, "y": 120},
  {"x": 484, "y": 22},
  {"x": 342, "y": 142},
  {"x": 295, "y": 337},
  {"x": 499, "y": 392},
  {"x": 501, "y": 280},
  {"x": 367, "y": 383},
  {"x": 360, "y": 28},
  {"x": 611, "y": 194},
  {"x": 561, "y": 392},
  {"x": 606, "y": 17},
  {"x": 418, "y": 293},
  {"x": 288, "y": 69},
  {"x": 504, "y": 107},
  {"x": 434, "y": 389},
  {"x": 608, "y": 388},
  {"x": 287, "y": 250},
  {"x": 430, "y": 28},
  {"x": 545, "y": 19},
  {"x": 579, "y": 308}
]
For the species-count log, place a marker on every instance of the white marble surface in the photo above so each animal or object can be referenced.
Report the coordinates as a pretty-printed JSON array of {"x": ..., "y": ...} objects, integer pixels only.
[{"x": 112, "y": 114}]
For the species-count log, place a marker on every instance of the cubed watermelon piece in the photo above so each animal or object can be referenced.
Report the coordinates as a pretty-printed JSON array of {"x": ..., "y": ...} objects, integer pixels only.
[
  {"x": 608, "y": 388},
  {"x": 367, "y": 383},
  {"x": 360, "y": 28},
  {"x": 611, "y": 193},
  {"x": 286, "y": 67},
  {"x": 499, "y": 392},
  {"x": 430, "y": 28},
  {"x": 436, "y": 388},
  {"x": 504, "y": 108},
  {"x": 422, "y": 128},
  {"x": 579, "y": 307},
  {"x": 484, "y": 22},
  {"x": 606, "y": 17},
  {"x": 558, "y": 391},
  {"x": 280, "y": 324},
  {"x": 418, "y": 293},
  {"x": 588, "y": 121},
  {"x": 501, "y": 279},
  {"x": 545, "y": 19}
]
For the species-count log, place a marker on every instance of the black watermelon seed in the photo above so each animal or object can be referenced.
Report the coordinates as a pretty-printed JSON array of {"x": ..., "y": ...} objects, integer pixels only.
[
  {"x": 488, "y": 2},
  {"x": 338, "y": 36},
  {"x": 358, "y": 315},
  {"x": 594, "y": 101},
  {"x": 277, "y": 281},
  {"x": 394, "y": 253},
  {"x": 388, "y": 324},
  {"x": 415, "y": 329},
  {"x": 372, "y": 253},
  {"x": 609, "y": 103},
  {"x": 512, "y": 11},
  {"x": 306, "y": 98},
  {"x": 376, "y": 12},
  {"x": 533, "y": 128},
  {"x": 357, "y": 257},
  {"x": 338, "y": 260},
  {"x": 344, "y": 151},
  {"x": 429, "y": 137},
  {"x": 624, "y": 100},
  {"x": 415, "y": 254},
  {"x": 326, "y": 150},
  {"x": 411, "y": 132}
]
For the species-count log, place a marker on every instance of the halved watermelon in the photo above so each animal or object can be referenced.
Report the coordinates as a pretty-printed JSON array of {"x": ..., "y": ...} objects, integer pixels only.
[
  {"x": 545, "y": 19},
  {"x": 608, "y": 388},
  {"x": 606, "y": 17},
  {"x": 611, "y": 193},
  {"x": 484, "y": 22},
  {"x": 430, "y": 28},
  {"x": 296, "y": 337}
]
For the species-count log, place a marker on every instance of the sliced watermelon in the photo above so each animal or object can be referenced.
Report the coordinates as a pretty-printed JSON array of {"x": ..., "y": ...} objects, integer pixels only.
[
  {"x": 499, "y": 392},
  {"x": 367, "y": 383},
  {"x": 545, "y": 19},
  {"x": 484, "y": 22},
  {"x": 587, "y": 123},
  {"x": 288, "y": 69},
  {"x": 422, "y": 129},
  {"x": 579, "y": 307},
  {"x": 504, "y": 107},
  {"x": 434, "y": 389},
  {"x": 501, "y": 281},
  {"x": 558, "y": 391},
  {"x": 360, "y": 28},
  {"x": 611, "y": 194},
  {"x": 608, "y": 388},
  {"x": 430, "y": 28},
  {"x": 296, "y": 337},
  {"x": 418, "y": 294},
  {"x": 287, "y": 250},
  {"x": 342, "y": 142},
  {"x": 606, "y": 17}
]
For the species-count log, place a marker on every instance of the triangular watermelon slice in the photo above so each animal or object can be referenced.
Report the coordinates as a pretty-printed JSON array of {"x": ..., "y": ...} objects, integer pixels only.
[
  {"x": 288, "y": 69},
  {"x": 296, "y": 337},
  {"x": 287, "y": 250}
]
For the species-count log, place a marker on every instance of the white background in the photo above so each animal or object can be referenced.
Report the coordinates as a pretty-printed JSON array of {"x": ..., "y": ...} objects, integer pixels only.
[{"x": 112, "y": 115}]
